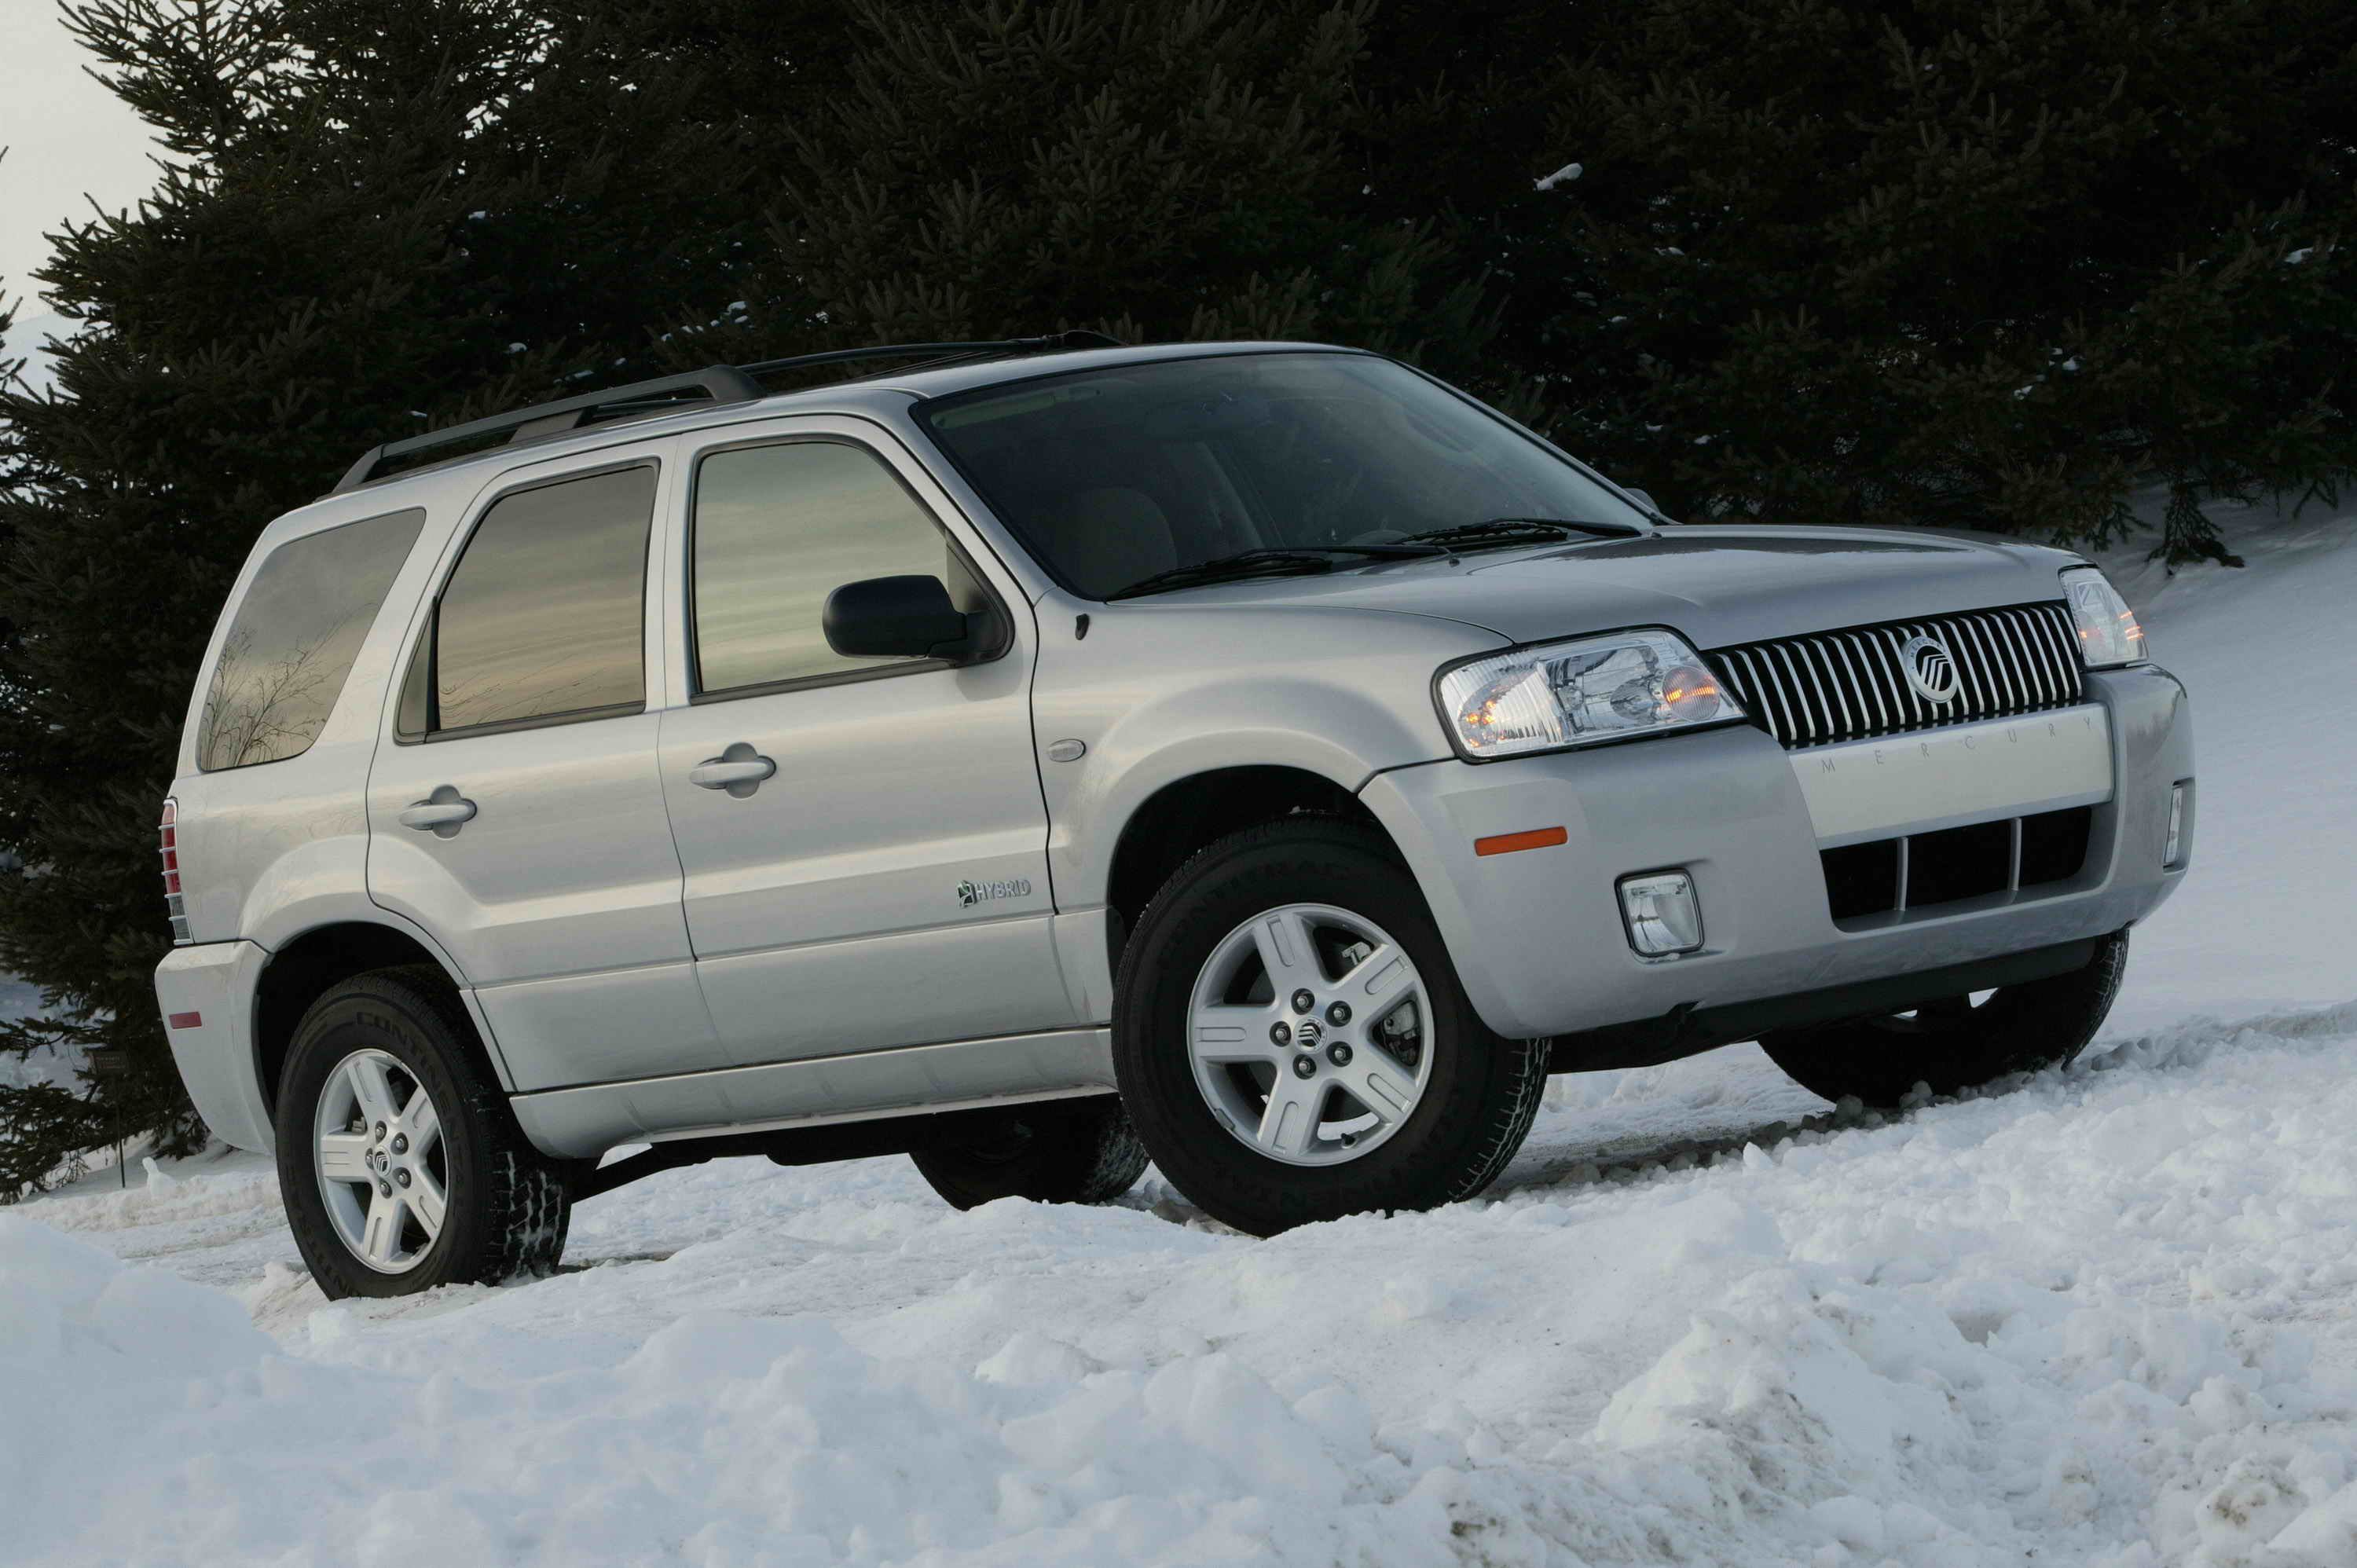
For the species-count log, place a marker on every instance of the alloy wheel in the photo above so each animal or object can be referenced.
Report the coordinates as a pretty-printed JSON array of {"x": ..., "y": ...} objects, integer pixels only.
[
  {"x": 1309, "y": 1032},
  {"x": 383, "y": 1169}
]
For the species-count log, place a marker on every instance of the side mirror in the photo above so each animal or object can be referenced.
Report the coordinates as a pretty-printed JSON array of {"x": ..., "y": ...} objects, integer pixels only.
[
  {"x": 1650, "y": 504},
  {"x": 887, "y": 617}
]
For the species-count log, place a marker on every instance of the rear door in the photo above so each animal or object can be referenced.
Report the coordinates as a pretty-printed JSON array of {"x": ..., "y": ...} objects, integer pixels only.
[
  {"x": 515, "y": 810},
  {"x": 878, "y": 876}
]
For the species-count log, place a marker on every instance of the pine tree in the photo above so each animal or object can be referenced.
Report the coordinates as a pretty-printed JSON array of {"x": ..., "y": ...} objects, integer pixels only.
[
  {"x": 1154, "y": 171},
  {"x": 1977, "y": 263},
  {"x": 39, "y": 1123},
  {"x": 1454, "y": 137},
  {"x": 378, "y": 215}
]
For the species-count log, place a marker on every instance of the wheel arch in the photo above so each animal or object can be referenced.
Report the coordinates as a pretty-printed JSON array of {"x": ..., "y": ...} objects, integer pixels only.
[
  {"x": 1188, "y": 814},
  {"x": 304, "y": 967}
]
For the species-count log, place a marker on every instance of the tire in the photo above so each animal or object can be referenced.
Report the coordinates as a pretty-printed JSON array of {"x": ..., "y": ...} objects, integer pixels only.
[
  {"x": 504, "y": 1207},
  {"x": 1955, "y": 1045},
  {"x": 1057, "y": 1152},
  {"x": 1476, "y": 1092}
]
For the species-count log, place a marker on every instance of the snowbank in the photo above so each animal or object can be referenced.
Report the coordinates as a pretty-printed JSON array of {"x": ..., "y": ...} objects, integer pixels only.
[
  {"x": 2102, "y": 1317},
  {"x": 2268, "y": 917}
]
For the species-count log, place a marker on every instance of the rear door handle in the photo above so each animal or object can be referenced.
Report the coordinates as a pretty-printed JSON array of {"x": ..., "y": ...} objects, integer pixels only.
[
  {"x": 442, "y": 813},
  {"x": 740, "y": 770}
]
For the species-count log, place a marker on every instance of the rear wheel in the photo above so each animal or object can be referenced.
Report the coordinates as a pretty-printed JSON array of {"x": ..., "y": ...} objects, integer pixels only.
[
  {"x": 401, "y": 1164},
  {"x": 1055, "y": 1152},
  {"x": 1294, "y": 1045},
  {"x": 1957, "y": 1043}
]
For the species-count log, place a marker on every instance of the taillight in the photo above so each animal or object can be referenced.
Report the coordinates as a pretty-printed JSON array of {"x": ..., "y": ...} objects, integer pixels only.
[{"x": 173, "y": 900}]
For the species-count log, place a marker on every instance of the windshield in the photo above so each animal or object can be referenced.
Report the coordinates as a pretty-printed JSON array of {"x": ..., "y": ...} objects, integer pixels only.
[{"x": 1114, "y": 476}]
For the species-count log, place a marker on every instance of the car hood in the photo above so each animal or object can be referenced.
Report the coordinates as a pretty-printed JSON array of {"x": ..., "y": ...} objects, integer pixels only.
[{"x": 1716, "y": 585}]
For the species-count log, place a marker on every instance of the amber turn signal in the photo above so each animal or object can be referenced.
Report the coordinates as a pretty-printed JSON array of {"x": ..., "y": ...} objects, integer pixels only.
[{"x": 1506, "y": 844}]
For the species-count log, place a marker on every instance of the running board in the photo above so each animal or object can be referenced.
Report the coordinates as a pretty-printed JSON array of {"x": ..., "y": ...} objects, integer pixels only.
[
  {"x": 817, "y": 1145},
  {"x": 583, "y": 1122}
]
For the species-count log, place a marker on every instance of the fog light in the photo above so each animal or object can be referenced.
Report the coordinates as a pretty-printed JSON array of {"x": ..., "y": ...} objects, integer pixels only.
[
  {"x": 1662, "y": 913},
  {"x": 2176, "y": 825}
]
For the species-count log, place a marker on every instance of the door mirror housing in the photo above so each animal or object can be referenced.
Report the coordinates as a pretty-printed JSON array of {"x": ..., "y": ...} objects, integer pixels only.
[
  {"x": 1650, "y": 504},
  {"x": 895, "y": 617}
]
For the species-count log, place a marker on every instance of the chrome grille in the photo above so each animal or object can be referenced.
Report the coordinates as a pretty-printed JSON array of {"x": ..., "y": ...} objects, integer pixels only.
[{"x": 1850, "y": 684}]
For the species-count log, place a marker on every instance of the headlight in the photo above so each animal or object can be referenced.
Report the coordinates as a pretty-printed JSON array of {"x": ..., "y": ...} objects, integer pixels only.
[
  {"x": 2109, "y": 632},
  {"x": 1564, "y": 694}
]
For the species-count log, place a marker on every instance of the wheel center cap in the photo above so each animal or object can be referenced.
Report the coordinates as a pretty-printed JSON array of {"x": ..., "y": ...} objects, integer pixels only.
[{"x": 1305, "y": 1034}]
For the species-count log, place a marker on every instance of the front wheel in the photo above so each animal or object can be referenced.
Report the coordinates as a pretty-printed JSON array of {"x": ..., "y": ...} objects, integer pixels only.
[
  {"x": 1292, "y": 1041},
  {"x": 1956, "y": 1044},
  {"x": 401, "y": 1164}
]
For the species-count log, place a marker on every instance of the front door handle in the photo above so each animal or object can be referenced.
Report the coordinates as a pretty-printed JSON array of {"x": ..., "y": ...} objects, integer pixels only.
[
  {"x": 740, "y": 770},
  {"x": 442, "y": 813}
]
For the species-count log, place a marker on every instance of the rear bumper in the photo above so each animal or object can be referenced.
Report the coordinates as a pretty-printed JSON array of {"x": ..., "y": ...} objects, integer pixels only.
[
  {"x": 1537, "y": 935},
  {"x": 206, "y": 996}
]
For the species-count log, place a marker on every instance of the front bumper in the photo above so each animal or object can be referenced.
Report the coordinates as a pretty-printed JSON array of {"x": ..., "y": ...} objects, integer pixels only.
[{"x": 1537, "y": 938}]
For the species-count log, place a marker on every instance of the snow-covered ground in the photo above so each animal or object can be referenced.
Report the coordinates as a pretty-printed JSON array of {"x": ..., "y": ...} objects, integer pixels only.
[{"x": 2103, "y": 1317}]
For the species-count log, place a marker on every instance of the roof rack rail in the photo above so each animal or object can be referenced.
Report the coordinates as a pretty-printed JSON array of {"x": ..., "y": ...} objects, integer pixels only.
[
  {"x": 1048, "y": 343},
  {"x": 664, "y": 394},
  {"x": 719, "y": 383}
]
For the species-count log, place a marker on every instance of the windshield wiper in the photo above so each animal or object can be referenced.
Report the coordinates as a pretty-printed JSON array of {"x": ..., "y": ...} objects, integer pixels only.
[
  {"x": 1272, "y": 560},
  {"x": 1522, "y": 530}
]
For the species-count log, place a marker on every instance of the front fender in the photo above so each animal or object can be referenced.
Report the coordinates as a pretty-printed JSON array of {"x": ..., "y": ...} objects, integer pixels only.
[{"x": 1157, "y": 694}]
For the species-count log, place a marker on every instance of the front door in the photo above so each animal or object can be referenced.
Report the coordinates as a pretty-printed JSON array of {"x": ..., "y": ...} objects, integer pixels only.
[
  {"x": 515, "y": 809},
  {"x": 864, "y": 839}
]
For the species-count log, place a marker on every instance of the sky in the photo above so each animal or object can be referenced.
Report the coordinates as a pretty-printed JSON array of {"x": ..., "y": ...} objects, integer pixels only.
[{"x": 68, "y": 139}]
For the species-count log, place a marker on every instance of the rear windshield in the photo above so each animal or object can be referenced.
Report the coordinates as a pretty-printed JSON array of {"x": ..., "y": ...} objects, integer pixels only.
[
  {"x": 294, "y": 638},
  {"x": 1112, "y": 476}
]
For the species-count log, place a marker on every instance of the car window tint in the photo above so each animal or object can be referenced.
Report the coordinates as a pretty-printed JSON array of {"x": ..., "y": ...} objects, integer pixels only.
[
  {"x": 779, "y": 528},
  {"x": 295, "y": 634},
  {"x": 1110, "y": 475},
  {"x": 542, "y": 616}
]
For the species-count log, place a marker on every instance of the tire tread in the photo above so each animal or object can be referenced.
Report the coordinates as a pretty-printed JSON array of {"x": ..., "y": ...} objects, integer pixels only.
[
  {"x": 1507, "y": 1085},
  {"x": 518, "y": 1219}
]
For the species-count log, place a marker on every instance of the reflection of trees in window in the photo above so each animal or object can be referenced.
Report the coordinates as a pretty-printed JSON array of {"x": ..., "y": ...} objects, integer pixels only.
[
  {"x": 260, "y": 712},
  {"x": 297, "y": 629}
]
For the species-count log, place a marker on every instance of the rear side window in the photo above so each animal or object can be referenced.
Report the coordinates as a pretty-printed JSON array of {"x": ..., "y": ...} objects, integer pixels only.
[
  {"x": 294, "y": 637},
  {"x": 542, "y": 617},
  {"x": 779, "y": 528}
]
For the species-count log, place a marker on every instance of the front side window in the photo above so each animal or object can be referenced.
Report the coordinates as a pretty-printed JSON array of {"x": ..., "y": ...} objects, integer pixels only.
[
  {"x": 292, "y": 640},
  {"x": 1112, "y": 476},
  {"x": 779, "y": 528},
  {"x": 542, "y": 617}
]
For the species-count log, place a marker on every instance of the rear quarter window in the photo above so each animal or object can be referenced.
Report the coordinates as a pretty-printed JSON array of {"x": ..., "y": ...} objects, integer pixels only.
[{"x": 292, "y": 642}]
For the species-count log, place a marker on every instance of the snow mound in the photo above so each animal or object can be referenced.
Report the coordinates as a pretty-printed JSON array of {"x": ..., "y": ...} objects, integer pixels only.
[
  {"x": 88, "y": 1349},
  {"x": 2080, "y": 1320},
  {"x": 1885, "y": 1423},
  {"x": 720, "y": 1439},
  {"x": 73, "y": 1316}
]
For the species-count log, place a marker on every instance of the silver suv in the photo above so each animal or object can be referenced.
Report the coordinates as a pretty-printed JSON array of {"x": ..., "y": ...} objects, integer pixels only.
[{"x": 1259, "y": 757}]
